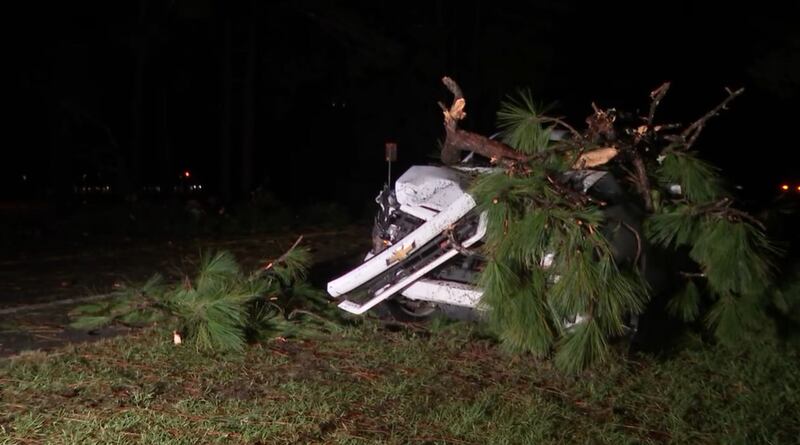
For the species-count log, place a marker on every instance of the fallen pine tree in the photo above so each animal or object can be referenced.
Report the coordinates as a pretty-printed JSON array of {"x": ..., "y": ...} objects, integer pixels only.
[{"x": 553, "y": 281}]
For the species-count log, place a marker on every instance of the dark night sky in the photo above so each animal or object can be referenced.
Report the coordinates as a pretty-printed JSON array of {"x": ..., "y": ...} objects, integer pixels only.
[{"x": 136, "y": 92}]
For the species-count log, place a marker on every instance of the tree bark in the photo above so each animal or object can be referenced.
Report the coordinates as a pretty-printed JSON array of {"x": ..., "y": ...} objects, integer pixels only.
[{"x": 461, "y": 140}]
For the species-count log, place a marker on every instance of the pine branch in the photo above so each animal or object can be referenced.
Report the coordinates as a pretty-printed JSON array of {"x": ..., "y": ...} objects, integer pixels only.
[
  {"x": 723, "y": 209},
  {"x": 521, "y": 125},
  {"x": 217, "y": 311},
  {"x": 656, "y": 97},
  {"x": 574, "y": 198},
  {"x": 699, "y": 181}
]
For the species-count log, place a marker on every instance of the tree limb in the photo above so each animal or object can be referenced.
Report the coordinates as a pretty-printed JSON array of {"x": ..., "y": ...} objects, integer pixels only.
[
  {"x": 656, "y": 95},
  {"x": 690, "y": 134},
  {"x": 458, "y": 140},
  {"x": 642, "y": 181},
  {"x": 559, "y": 121},
  {"x": 269, "y": 265},
  {"x": 723, "y": 208}
]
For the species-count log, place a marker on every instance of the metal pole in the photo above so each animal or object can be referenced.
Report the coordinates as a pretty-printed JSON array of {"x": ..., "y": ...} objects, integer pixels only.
[{"x": 391, "y": 155}]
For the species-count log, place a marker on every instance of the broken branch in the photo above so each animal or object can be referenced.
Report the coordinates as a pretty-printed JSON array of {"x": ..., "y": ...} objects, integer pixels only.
[
  {"x": 656, "y": 95},
  {"x": 458, "y": 140},
  {"x": 280, "y": 259}
]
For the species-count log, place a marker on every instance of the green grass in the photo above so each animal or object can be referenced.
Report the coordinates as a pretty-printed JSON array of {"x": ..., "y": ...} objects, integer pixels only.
[{"x": 365, "y": 385}]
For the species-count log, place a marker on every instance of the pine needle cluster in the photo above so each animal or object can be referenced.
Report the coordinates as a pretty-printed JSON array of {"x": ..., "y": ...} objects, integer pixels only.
[
  {"x": 732, "y": 253},
  {"x": 218, "y": 309},
  {"x": 551, "y": 281}
]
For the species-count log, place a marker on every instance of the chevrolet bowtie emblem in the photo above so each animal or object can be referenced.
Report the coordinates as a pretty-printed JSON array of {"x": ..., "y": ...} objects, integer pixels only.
[{"x": 401, "y": 253}]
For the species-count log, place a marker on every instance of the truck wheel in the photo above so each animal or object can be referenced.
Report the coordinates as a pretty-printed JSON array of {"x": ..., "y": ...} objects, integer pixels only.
[{"x": 402, "y": 309}]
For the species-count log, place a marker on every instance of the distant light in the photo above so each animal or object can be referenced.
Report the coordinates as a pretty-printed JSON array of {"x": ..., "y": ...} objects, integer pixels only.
[
  {"x": 798, "y": 188},
  {"x": 785, "y": 187},
  {"x": 24, "y": 177}
]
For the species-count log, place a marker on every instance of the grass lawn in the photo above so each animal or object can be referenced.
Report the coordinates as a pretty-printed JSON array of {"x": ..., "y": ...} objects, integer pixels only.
[{"x": 367, "y": 384}]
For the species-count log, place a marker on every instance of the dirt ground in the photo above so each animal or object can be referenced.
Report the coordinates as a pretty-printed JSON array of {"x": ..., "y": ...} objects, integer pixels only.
[{"x": 35, "y": 280}]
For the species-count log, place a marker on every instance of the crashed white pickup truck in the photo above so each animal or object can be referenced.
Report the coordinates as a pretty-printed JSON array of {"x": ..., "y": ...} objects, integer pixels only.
[{"x": 425, "y": 236}]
